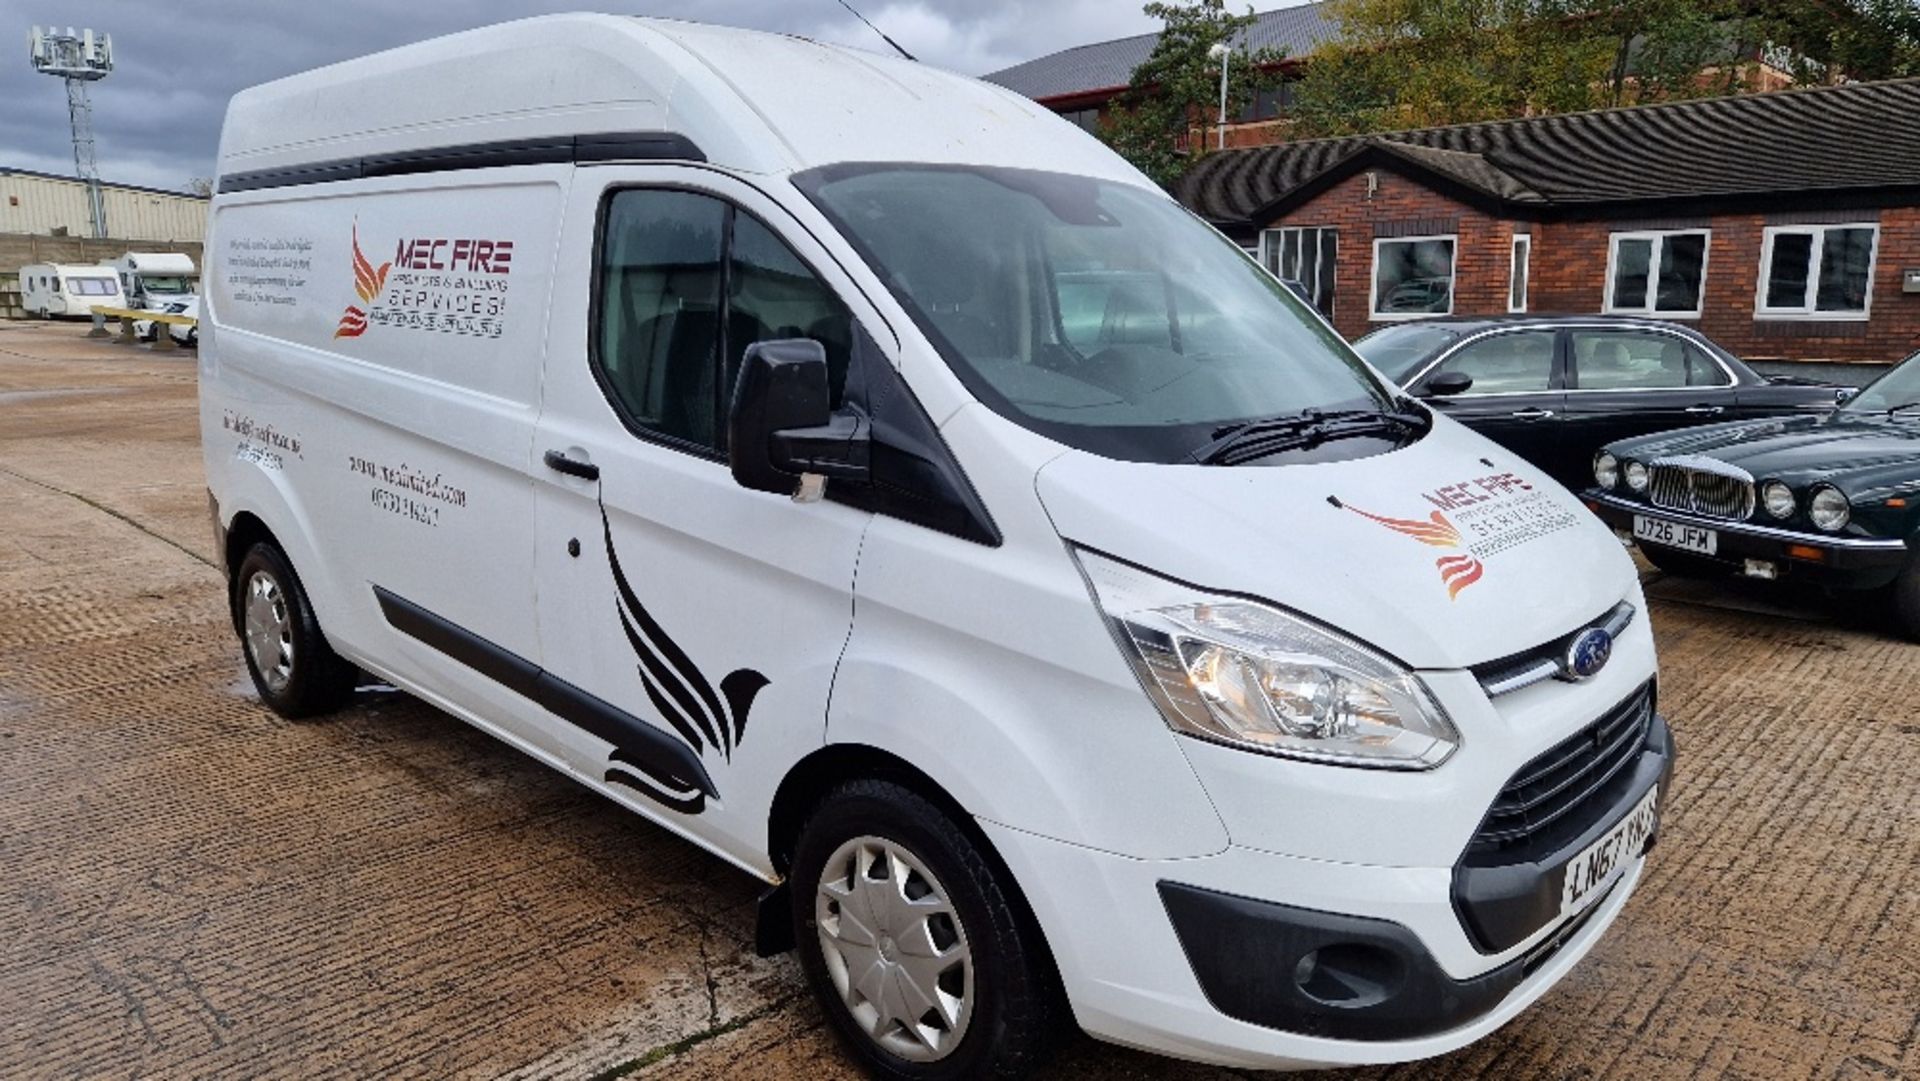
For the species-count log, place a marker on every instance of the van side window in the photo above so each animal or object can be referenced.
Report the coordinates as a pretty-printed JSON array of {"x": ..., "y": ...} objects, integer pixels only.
[
  {"x": 687, "y": 283},
  {"x": 773, "y": 295},
  {"x": 659, "y": 333}
]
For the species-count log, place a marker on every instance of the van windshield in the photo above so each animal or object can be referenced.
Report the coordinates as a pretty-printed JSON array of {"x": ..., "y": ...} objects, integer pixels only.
[
  {"x": 1096, "y": 313},
  {"x": 165, "y": 283}
]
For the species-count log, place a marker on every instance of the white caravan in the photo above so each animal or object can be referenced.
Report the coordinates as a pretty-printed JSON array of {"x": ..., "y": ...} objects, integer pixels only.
[
  {"x": 48, "y": 290},
  {"x": 866, "y": 475},
  {"x": 152, "y": 280}
]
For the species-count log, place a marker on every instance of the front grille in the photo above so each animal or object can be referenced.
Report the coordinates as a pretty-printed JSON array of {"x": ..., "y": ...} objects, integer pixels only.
[
  {"x": 1701, "y": 486},
  {"x": 1558, "y": 786}
]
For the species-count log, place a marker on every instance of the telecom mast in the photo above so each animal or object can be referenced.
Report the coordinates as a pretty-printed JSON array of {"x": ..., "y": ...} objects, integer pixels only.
[{"x": 79, "y": 58}]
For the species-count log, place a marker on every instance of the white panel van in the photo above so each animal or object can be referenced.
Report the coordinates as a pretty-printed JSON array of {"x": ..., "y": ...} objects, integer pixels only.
[
  {"x": 50, "y": 290},
  {"x": 866, "y": 475}
]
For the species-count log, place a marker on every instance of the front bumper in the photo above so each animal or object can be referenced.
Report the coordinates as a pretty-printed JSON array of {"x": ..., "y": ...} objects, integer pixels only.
[
  {"x": 1839, "y": 561},
  {"x": 1257, "y": 960}
]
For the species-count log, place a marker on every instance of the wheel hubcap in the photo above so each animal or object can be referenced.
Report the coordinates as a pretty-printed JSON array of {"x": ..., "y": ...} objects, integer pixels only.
[
  {"x": 269, "y": 632},
  {"x": 895, "y": 949}
]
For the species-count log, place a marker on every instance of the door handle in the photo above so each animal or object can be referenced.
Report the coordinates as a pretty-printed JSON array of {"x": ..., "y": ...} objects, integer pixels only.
[
  {"x": 572, "y": 467},
  {"x": 1531, "y": 414},
  {"x": 1706, "y": 410}
]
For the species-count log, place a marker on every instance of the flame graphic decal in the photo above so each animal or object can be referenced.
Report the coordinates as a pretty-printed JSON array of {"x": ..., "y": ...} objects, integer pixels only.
[
  {"x": 1457, "y": 572},
  {"x": 367, "y": 282}
]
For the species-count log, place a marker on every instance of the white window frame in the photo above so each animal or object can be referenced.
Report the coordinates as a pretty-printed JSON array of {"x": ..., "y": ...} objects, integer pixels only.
[
  {"x": 1374, "y": 314},
  {"x": 1656, "y": 236},
  {"x": 1520, "y": 254},
  {"x": 1270, "y": 247},
  {"x": 1807, "y": 311}
]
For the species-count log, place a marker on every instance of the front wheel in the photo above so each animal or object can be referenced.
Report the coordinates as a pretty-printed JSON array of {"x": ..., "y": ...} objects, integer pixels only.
[
  {"x": 293, "y": 668},
  {"x": 915, "y": 943}
]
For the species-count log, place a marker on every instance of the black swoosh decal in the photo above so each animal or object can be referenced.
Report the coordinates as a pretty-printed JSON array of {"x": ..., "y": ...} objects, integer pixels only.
[
  {"x": 740, "y": 687},
  {"x": 669, "y": 792},
  {"x": 647, "y": 747},
  {"x": 668, "y": 648}
]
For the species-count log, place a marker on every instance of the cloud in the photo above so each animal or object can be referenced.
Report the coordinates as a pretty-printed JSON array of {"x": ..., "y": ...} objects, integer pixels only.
[{"x": 157, "y": 117}]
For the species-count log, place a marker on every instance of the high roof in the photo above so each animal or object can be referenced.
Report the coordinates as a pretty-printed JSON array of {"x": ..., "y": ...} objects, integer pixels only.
[
  {"x": 1823, "y": 140},
  {"x": 751, "y": 101},
  {"x": 1108, "y": 65}
]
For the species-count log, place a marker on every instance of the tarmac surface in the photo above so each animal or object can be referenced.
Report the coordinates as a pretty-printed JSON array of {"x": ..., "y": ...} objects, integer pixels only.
[{"x": 192, "y": 887}]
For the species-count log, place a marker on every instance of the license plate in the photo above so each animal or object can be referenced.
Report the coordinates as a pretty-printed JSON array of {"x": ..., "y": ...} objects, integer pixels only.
[
  {"x": 1593, "y": 869},
  {"x": 1690, "y": 538}
]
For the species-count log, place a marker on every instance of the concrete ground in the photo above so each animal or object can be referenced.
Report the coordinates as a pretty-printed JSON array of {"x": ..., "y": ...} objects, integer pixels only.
[{"x": 191, "y": 887}]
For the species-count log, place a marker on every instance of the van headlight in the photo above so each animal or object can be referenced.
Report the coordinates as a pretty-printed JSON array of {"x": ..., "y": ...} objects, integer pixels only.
[{"x": 1244, "y": 673}]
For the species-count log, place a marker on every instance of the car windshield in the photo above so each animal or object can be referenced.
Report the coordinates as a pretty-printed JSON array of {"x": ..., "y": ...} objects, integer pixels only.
[
  {"x": 1099, "y": 314},
  {"x": 1895, "y": 389},
  {"x": 165, "y": 283},
  {"x": 1399, "y": 351}
]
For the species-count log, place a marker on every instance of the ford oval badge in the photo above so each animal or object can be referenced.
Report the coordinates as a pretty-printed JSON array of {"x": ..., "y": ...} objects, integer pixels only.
[{"x": 1588, "y": 653}]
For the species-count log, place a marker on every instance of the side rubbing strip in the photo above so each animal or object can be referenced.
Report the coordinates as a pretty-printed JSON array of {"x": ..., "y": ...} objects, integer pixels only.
[
  {"x": 611, "y": 146},
  {"x": 655, "y": 752}
]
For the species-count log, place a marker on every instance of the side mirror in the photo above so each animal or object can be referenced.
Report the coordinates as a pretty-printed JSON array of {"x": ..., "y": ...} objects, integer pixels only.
[
  {"x": 1845, "y": 395},
  {"x": 782, "y": 434},
  {"x": 1447, "y": 384}
]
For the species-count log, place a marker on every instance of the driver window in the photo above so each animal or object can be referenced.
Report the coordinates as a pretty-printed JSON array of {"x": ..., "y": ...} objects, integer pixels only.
[
  {"x": 1518, "y": 363},
  {"x": 687, "y": 283}
]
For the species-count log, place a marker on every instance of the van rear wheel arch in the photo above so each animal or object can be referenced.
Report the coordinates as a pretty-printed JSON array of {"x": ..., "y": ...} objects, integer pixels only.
[{"x": 317, "y": 680}]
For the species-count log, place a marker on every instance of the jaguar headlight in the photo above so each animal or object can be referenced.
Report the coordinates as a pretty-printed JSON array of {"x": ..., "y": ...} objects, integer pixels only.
[
  {"x": 1636, "y": 474},
  {"x": 1829, "y": 509},
  {"x": 1250, "y": 675},
  {"x": 1606, "y": 470},
  {"x": 1778, "y": 499}
]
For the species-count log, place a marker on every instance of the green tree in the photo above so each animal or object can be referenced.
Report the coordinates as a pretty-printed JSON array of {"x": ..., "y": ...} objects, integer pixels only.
[
  {"x": 1173, "y": 97},
  {"x": 1417, "y": 63},
  {"x": 1840, "y": 40}
]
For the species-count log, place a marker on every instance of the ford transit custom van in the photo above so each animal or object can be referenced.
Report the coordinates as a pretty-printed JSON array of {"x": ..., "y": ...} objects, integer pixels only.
[{"x": 867, "y": 476}]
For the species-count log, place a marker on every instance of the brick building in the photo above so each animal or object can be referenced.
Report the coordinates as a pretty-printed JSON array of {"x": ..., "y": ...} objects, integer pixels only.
[{"x": 1783, "y": 225}]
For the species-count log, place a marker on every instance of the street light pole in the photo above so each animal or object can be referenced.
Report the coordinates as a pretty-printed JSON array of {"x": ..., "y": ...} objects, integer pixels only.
[{"x": 1221, "y": 51}]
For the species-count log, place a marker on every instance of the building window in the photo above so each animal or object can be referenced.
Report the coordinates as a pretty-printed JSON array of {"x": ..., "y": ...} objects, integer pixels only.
[
  {"x": 1307, "y": 255},
  {"x": 1268, "y": 104},
  {"x": 1817, "y": 271},
  {"x": 1087, "y": 120},
  {"x": 1522, "y": 268},
  {"x": 1412, "y": 277},
  {"x": 1657, "y": 273}
]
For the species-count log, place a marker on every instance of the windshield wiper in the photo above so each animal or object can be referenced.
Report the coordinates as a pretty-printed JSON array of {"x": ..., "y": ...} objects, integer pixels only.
[
  {"x": 1903, "y": 407},
  {"x": 1245, "y": 441}
]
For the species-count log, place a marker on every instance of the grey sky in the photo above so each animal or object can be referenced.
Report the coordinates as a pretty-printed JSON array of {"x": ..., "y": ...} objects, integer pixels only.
[{"x": 157, "y": 117}]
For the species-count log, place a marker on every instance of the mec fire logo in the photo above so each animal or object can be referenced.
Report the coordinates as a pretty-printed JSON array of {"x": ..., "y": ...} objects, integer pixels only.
[
  {"x": 449, "y": 285},
  {"x": 1456, "y": 571},
  {"x": 367, "y": 282},
  {"x": 1481, "y": 517}
]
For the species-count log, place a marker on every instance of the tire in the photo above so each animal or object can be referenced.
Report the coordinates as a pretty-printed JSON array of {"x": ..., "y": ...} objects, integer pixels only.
[
  {"x": 1683, "y": 564},
  {"x": 1002, "y": 1002},
  {"x": 296, "y": 672}
]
